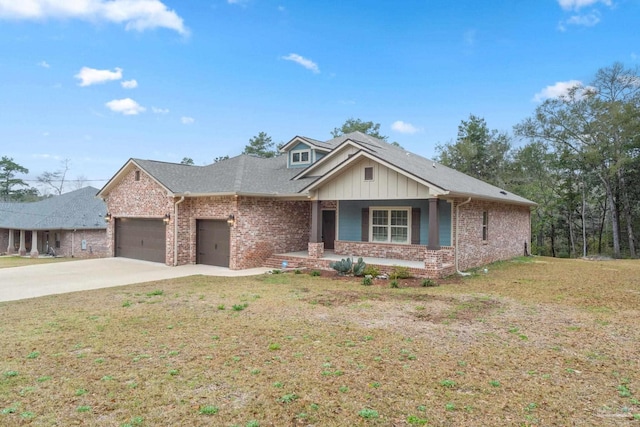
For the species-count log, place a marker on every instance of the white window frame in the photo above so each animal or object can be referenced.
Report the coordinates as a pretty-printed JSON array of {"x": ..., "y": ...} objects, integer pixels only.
[
  {"x": 301, "y": 152},
  {"x": 407, "y": 209}
]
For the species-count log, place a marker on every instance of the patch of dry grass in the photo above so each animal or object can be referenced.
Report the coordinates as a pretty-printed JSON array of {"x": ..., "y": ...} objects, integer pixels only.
[
  {"x": 549, "y": 342},
  {"x": 19, "y": 261}
]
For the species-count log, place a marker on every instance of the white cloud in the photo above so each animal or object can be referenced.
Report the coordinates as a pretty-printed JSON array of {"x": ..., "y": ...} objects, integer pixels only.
[
  {"x": 587, "y": 20},
  {"x": 44, "y": 64},
  {"x": 306, "y": 63},
  {"x": 579, "y": 4},
  {"x": 157, "y": 110},
  {"x": 129, "y": 84},
  {"x": 137, "y": 15},
  {"x": 557, "y": 90},
  {"x": 126, "y": 106},
  {"x": 403, "y": 127},
  {"x": 91, "y": 76},
  {"x": 187, "y": 120}
]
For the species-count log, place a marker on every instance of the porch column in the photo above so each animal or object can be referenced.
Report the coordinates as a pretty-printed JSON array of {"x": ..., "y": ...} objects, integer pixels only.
[
  {"x": 434, "y": 225},
  {"x": 22, "y": 251},
  {"x": 316, "y": 245},
  {"x": 11, "y": 247},
  {"x": 34, "y": 244},
  {"x": 316, "y": 222}
]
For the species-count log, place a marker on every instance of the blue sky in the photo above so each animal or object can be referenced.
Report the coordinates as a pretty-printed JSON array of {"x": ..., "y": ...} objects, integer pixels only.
[{"x": 101, "y": 81}]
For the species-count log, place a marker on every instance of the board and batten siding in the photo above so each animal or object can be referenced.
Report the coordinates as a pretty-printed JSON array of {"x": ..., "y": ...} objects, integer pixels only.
[
  {"x": 350, "y": 218},
  {"x": 387, "y": 184},
  {"x": 337, "y": 157}
]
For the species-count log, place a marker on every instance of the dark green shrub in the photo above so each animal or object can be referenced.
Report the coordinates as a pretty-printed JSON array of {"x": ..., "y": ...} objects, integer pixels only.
[
  {"x": 399, "y": 272},
  {"x": 428, "y": 283},
  {"x": 315, "y": 273},
  {"x": 394, "y": 283},
  {"x": 371, "y": 270},
  {"x": 367, "y": 281}
]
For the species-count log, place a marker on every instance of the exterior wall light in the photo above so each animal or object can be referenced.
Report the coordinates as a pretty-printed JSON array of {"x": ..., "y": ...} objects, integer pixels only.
[
  {"x": 166, "y": 219},
  {"x": 107, "y": 217},
  {"x": 231, "y": 220}
]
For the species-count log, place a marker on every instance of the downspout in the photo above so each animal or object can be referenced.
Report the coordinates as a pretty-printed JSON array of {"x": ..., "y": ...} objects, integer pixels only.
[
  {"x": 457, "y": 234},
  {"x": 175, "y": 231}
]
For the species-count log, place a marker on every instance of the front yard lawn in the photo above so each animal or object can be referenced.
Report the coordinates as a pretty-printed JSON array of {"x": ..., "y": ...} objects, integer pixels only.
[
  {"x": 536, "y": 342},
  {"x": 7, "y": 261}
]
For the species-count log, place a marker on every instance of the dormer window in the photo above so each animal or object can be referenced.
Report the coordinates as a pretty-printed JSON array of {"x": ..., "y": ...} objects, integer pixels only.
[{"x": 299, "y": 157}]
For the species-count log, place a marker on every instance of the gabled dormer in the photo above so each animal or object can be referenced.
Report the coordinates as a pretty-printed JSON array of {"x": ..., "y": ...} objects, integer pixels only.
[{"x": 302, "y": 152}]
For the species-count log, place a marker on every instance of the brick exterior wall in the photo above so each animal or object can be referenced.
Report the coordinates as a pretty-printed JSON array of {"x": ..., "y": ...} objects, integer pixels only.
[
  {"x": 71, "y": 244},
  {"x": 509, "y": 229},
  {"x": 139, "y": 199},
  {"x": 380, "y": 250},
  {"x": 263, "y": 226},
  {"x": 267, "y": 226}
]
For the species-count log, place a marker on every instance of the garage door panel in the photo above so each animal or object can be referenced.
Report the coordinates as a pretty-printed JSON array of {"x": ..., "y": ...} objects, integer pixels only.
[
  {"x": 213, "y": 243},
  {"x": 143, "y": 239}
]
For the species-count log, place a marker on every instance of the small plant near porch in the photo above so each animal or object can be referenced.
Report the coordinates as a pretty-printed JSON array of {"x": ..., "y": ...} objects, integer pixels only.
[{"x": 346, "y": 266}]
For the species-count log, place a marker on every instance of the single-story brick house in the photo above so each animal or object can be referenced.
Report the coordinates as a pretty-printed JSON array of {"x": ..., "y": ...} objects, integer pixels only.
[
  {"x": 354, "y": 195},
  {"x": 71, "y": 224}
]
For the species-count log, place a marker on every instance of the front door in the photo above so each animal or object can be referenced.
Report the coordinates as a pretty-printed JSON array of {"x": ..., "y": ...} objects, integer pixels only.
[
  {"x": 213, "y": 243},
  {"x": 328, "y": 228}
]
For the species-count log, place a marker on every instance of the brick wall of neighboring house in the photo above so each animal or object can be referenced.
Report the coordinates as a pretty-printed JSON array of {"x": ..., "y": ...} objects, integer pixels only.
[
  {"x": 139, "y": 199},
  {"x": 71, "y": 244},
  {"x": 267, "y": 226},
  {"x": 509, "y": 228},
  {"x": 4, "y": 240}
]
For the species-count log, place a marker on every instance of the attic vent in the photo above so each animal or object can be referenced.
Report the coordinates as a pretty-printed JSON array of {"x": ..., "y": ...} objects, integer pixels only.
[
  {"x": 503, "y": 192},
  {"x": 137, "y": 176}
]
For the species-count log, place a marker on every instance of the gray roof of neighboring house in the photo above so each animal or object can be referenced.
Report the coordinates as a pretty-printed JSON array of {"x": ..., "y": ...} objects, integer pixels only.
[
  {"x": 245, "y": 174},
  {"x": 76, "y": 210},
  {"x": 242, "y": 174}
]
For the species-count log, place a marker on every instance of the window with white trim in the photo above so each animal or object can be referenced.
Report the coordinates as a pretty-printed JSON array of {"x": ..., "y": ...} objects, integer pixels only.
[
  {"x": 299, "y": 157},
  {"x": 390, "y": 225}
]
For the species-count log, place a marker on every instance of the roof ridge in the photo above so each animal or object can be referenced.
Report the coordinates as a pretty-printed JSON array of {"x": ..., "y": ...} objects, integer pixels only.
[{"x": 237, "y": 183}]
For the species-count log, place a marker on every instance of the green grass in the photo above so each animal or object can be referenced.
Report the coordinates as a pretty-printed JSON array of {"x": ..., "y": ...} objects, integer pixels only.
[{"x": 316, "y": 351}]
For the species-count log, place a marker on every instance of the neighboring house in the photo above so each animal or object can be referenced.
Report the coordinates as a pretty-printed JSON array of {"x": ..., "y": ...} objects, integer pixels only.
[
  {"x": 71, "y": 224},
  {"x": 354, "y": 195}
]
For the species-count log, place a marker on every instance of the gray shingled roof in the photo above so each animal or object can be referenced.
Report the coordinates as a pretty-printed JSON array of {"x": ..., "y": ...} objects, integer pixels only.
[
  {"x": 441, "y": 176},
  {"x": 76, "y": 210},
  {"x": 243, "y": 174},
  {"x": 247, "y": 174}
]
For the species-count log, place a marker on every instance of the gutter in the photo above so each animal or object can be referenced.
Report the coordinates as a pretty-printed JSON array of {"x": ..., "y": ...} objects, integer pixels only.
[
  {"x": 175, "y": 231},
  {"x": 457, "y": 234}
]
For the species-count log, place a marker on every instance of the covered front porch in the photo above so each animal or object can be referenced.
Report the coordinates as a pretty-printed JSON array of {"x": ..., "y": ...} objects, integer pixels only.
[
  {"x": 413, "y": 233},
  {"x": 440, "y": 264}
]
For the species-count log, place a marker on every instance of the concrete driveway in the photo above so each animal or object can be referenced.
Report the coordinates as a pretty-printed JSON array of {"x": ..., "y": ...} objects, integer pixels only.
[{"x": 59, "y": 278}]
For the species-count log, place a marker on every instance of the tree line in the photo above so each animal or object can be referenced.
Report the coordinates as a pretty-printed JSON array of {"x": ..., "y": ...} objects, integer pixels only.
[{"x": 580, "y": 163}]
